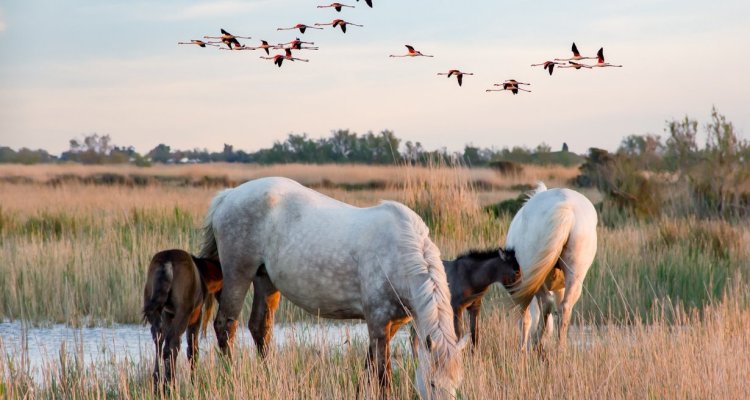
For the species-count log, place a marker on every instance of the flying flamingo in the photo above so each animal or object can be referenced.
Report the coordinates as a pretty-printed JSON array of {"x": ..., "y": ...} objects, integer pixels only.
[
  {"x": 228, "y": 39},
  {"x": 412, "y": 53},
  {"x": 601, "y": 63},
  {"x": 200, "y": 43},
  {"x": 339, "y": 22},
  {"x": 288, "y": 56},
  {"x": 296, "y": 44},
  {"x": 512, "y": 85},
  {"x": 336, "y": 6},
  {"x": 369, "y": 2},
  {"x": 263, "y": 45},
  {"x": 573, "y": 64},
  {"x": 576, "y": 55},
  {"x": 301, "y": 27},
  {"x": 277, "y": 59},
  {"x": 548, "y": 65},
  {"x": 459, "y": 75}
]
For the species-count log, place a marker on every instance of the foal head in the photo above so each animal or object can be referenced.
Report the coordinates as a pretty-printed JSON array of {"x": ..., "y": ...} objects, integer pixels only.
[{"x": 508, "y": 271}]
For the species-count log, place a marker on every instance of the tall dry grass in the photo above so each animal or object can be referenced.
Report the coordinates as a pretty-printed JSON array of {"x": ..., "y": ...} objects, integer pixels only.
[
  {"x": 663, "y": 313},
  {"x": 696, "y": 356}
]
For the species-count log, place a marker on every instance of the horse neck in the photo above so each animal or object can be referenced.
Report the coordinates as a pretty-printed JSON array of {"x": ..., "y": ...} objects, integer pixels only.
[{"x": 482, "y": 274}]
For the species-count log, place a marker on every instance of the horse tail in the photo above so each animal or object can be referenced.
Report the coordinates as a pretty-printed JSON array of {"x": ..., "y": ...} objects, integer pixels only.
[
  {"x": 160, "y": 282},
  {"x": 213, "y": 279},
  {"x": 545, "y": 257},
  {"x": 208, "y": 312},
  {"x": 209, "y": 249}
]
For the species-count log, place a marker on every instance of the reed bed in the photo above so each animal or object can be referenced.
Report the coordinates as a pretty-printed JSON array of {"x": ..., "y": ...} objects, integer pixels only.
[
  {"x": 693, "y": 356},
  {"x": 664, "y": 312}
]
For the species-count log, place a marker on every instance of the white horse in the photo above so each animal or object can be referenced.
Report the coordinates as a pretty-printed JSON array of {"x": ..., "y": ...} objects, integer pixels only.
[
  {"x": 337, "y": 261},
  {"x": 554, "y": 237}
]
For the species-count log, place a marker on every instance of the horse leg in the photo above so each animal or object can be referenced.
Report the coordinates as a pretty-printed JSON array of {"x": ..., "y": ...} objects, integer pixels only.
[
  {"x": 237, "y": 280},
  {"x": 157, "y": 334},
  {"x": 525, "y": 326},
  {"x": 265, "y": 302},
  {"x": 474, "y": 322},
  {"x": 572, "y": 294},
  {"x": 193, "y": 331},
  {"x": 458, "y": 321},
  {"x": 379, "y": 355},
  {"x": 542, "y": 316},
  {"x": 172, "y": 345}
]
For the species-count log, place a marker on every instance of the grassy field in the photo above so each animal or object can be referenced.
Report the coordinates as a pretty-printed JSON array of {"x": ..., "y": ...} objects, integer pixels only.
[{"x": 664, "y": 312}]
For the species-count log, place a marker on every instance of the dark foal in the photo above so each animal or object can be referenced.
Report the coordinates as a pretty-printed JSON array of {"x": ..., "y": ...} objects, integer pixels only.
[
  {"x": 470, "y": 276},
  {"x": 179, "y": 295}
]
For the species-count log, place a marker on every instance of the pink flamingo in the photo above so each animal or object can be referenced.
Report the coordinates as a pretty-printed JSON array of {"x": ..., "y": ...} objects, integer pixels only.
[
  {"x": 336, "y": 6},
  {"x": 296, "y": 44},
  {"x": 576, "y": 55},
  {"x": 548, "y": 65},
  {"x": 600, "y": 63},
  {"x": 341, "y": 23},
  {"x": 573, "y": 64},
  {"x": 511, "y": 85},
  {"x": 200, "y": 43},
  {"x": 459, "y": 75},
  {"x": 228, "y": 39},
  {"x": 302, "y": 28},
  {"x": 411, "y": 53}
]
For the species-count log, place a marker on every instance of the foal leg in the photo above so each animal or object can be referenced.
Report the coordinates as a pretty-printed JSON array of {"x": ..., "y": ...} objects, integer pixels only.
[
  {"x": 265, "y": 302},
  {"x": 172, "y": 345},
  {"x": 474, "y": 323},
  {"x": 193, "y": 331},
  {"x": 458, "y": 321},
  {"x": 157, "y": 334}
]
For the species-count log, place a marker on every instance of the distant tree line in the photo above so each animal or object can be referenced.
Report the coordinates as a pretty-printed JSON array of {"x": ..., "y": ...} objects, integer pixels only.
[
  {"x": 713, "y": 177},
  {"x": 342, "y": 146}
]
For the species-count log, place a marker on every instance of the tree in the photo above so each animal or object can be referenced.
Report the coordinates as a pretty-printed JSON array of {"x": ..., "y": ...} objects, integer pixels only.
[{"x": 161, "y": 154}]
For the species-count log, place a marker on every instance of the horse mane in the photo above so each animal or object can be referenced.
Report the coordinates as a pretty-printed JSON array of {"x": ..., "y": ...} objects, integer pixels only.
[
  {"x": 480, "y": 255},
  {"x": 540, "y": 187},
  {"x": 430, "y": 297}
]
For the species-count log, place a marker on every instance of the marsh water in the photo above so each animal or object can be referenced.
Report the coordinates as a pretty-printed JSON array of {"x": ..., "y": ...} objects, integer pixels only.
[{"x": 33, "y": 348}]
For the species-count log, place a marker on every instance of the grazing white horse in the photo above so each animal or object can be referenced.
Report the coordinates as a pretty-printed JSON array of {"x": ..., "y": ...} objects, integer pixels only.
[
  {"x": 337, "y": 261},
  {"x": 554, "y": 238}
]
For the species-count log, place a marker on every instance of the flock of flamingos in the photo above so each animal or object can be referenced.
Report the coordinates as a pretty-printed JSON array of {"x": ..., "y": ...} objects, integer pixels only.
[{"x": 232, "y": 42}]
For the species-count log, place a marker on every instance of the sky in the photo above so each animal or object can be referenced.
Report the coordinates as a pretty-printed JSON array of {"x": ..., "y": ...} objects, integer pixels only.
[{"x": 78, "y": 67}]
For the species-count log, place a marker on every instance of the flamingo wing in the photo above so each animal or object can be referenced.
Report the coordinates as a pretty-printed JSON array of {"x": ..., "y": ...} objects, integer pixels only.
[
  {"x": 411, "y": 49},
  {"x": 575, "y": 50},
  {"x": 460, "y": 78},
  {"x": 223, "y": 32},
  {"x": 600, "y": 55}
]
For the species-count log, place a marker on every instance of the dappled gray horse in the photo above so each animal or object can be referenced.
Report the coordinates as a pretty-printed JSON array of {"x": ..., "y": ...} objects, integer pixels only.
[{"x": 338, "y": 261}]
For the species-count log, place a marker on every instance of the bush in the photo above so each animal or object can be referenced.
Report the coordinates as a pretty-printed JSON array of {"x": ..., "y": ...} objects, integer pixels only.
[{"x": 506, "y": 168}]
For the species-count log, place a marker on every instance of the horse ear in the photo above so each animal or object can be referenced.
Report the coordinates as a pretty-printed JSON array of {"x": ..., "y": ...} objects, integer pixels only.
[{"x": 428, "y": 343}]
